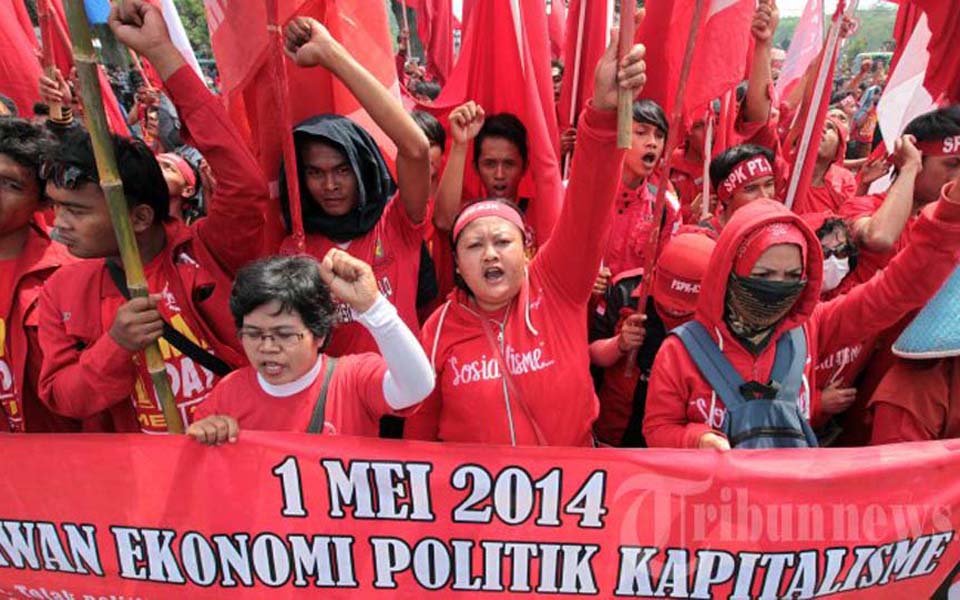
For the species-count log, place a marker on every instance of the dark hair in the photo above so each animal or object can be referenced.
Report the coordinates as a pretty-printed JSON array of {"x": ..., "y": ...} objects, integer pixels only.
[
  {"x": 457, "y": 279},
  {"x": 556, "y": 63},
  {"x": 650, "y": 113},
  {"x": 40, "y": 109},
  {"x": 142, "y": 178},
  {"x": 24, "y": 143},
  {"x": 723, "y": 164},
  {"x": 506, "y": 126},
  {"x": 294, "y": 282},
  {"x": 10, "y": 104},
  {"x": 832, "y": 224},
  {"x": 431, "y": 127},
  {"x": 839, "y": 97},
  {"x": 430, "y": 89},
  {"x": 936, "y": 124}
]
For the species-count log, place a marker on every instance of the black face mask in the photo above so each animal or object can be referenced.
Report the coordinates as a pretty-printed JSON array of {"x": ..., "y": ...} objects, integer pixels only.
[{"x": 755, "y": 306}]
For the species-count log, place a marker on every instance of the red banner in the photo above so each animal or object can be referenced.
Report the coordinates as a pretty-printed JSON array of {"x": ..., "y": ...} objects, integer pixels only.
[{"x": 275, "y": 514}]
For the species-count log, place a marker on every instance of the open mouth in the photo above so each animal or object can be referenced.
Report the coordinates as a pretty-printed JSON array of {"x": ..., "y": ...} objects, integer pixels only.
[
  {"x": 649, "y": 159},
  {"x": 271, "y": 368},
  {"x": 499, "y": 190},
  {"x": 493, "y": 274}
]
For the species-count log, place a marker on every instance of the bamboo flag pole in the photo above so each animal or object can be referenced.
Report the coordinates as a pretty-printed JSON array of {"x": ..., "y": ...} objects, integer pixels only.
[
  {"x": 46, "y": 35},
  {"x": 628, "y": 9},
  {"x": 673, "y": 140},
  {"x": 96, "y": 121},
  {"x": 575, "y": 88},
  {"x": 406, "y": 24}
]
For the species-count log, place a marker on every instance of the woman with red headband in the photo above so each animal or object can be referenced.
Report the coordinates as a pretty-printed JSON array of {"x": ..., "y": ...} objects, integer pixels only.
[
  {"x": 509, "y": 347},
  {"x": 762, "y": 324}
]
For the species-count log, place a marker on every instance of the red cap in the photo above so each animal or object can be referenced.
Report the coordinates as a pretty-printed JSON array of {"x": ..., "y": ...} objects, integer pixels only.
[
  {"x": 679, "y": 271},
  {"x": 762, "y": 238}
]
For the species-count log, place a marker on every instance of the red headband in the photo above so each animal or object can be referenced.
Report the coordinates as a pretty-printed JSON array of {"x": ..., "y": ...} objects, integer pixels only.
[
  {"x": 487, "y": 208},
  {"x": 948, "y": 146},
  {"x": 751, "y": 169},
  {"x": 183, "y": 166},
  {"x": 761, "y": 239}
]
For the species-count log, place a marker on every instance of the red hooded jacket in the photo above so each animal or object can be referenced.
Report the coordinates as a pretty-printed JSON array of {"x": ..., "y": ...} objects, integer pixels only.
[
  {"x": 548, "y": 398},
  {"x": 681, "y": 405},
  {"x": 84, "y": 370},
  {"x": 18, "y": 335}
]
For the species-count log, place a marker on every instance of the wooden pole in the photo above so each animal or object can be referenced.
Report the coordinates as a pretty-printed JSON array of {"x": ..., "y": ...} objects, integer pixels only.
[
  {"x": 624, "y": 97},
  {"x": 575, "y": 82},
  {"x": 406, "y": 23},
  {"x": 46, "y": 35},
  {"x": 96, "y": 121},
  {"x": 673, "y": 140}
]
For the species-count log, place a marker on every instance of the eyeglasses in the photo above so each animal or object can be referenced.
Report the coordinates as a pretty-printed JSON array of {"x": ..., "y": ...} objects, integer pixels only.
[
  {"x": 282, "y": 338},
  {"x": 64, "y": 176},
  {"x": 841, "y": 252}
]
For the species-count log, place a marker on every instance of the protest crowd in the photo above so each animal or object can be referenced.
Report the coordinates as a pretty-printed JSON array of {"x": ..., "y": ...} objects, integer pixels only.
[{"x": 460, "y": 251}]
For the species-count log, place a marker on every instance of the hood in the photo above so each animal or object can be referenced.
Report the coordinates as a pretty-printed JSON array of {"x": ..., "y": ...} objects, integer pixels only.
[
  {"x": 757, "y": 214},
  {"x": 375, "y": 185}
]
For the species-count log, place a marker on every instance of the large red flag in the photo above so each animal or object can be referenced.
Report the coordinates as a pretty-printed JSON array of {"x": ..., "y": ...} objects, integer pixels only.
[
  {"x": 558, "y": 28},
  {"x": 723, "y": 41},
  {"x": 248, "y": 68},
  {"x": 62, "y": 55},
  {"x": 504, "y": 66},
  {"x": 804, "y": 48},
  {"x": 942, "y": 77},
  {"x": 19, "y": 67},
  {"x": 587, "y": 23},
  {"x": 23, "y": 17},
  {"x": 435, "y": 28}
]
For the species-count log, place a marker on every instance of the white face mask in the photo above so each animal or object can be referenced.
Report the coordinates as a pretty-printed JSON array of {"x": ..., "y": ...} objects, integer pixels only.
[{"x": 834, "y": 270}]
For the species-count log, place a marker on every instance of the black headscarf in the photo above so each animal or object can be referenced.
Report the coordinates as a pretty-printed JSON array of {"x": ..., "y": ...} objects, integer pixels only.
[{"x": 375, "y": 186}]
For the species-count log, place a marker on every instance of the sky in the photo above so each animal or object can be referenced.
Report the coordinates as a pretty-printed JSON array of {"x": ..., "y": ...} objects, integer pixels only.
[{"x": 793, "y": 8}]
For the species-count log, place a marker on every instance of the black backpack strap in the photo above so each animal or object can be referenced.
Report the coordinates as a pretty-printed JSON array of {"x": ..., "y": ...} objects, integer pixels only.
[
  {"x": 320, "y": 408},
  {"x": 185, "y": 345},
  {"x": 711, "y": 362}
]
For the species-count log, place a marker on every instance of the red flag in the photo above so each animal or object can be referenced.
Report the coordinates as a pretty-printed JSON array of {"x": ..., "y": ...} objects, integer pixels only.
[
  {"x": 19, "y": 69},
  {"x": 504, "y": 66},
  {"x": 242, "y": 46},
  {"x": 587, "y": 23},
  {"x": 54, "y": 29},
  {"x": 435, "y": 28},
  {"x": 804, "y": 162},
  {"x": 943, "y": 69},
  {"x": 558, "y": 28},
  {"x": 804, "y": 48},
  {"x": 23, "y": 17},
  {"x": 723, "y": 40}
]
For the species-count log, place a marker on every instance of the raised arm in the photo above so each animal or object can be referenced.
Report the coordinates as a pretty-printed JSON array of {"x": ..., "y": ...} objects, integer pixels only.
[
  {"x": 880, "y": 231},
  {"x": 465, "y": 123},
  {"x": 757, "y": 103},
  {"x": 571, "y": 257},
  {"x": 233, "y": 229},
  {"x": 309, "y": 44}
]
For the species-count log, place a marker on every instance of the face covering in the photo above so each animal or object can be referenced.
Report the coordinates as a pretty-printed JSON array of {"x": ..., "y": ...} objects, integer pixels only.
[
  {"x": 755, "y": 306},
  {"x": 834, "y": 270}
]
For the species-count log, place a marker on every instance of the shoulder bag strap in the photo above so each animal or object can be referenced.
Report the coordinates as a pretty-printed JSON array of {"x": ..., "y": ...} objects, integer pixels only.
[{"x": 320, "y": 408}]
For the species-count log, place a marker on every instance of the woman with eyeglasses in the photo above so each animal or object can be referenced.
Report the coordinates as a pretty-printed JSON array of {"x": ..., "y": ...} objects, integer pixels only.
[{"x": 284, "y": 312}]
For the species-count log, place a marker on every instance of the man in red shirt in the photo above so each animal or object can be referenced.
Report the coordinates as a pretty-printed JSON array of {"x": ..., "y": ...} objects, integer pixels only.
[
  {"x": 27, "y": 258},
  {"x": 348, "y": 198},
  {"x": 926, "y": 157},
  {"x": 633, "y": 223},
  {"x": 92, "y": 337}
]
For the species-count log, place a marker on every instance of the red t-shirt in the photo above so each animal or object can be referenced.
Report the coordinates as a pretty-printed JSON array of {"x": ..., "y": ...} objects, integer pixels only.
[
  {"x": 189, "y": 382},
  {"x": 9, "y": 403},
  {"x": 355, "y": 400},
  {"x": 392, "y": 249},
  {"x": 632, "y": 226},
  {"x": 868, "y": 263}
]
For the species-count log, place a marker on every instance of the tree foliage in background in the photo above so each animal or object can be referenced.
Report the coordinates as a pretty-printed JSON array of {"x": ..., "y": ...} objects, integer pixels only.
[
  {"x": 876, "y": 30},
  {"x": 195, "y": 23}
]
